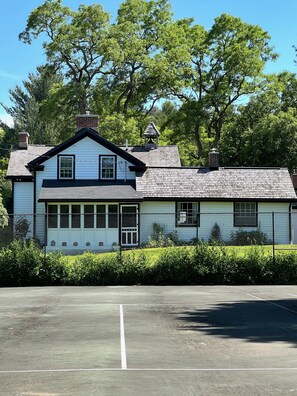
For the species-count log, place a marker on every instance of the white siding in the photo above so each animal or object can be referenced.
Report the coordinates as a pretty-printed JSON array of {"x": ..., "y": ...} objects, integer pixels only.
[
  {"x": 294, "y": 225},
  {"x": 23, "y": 202},
  {"x": 163, "y": 213},
  {"x": 86, "y": 153}
]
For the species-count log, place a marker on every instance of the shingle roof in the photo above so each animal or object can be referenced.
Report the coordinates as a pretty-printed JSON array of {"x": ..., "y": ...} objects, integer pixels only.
[
  {"x": 151, "y": 131},
  {"x": 88, "y": 190},
  {"x": 20, "y": 158},
  {"x": 161, "y": 156},
  {"x": 226, "y": 183}
]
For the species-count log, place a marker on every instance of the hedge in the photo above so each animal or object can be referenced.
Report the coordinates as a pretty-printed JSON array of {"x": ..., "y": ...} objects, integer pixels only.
[{"x": 24, "y": 264}]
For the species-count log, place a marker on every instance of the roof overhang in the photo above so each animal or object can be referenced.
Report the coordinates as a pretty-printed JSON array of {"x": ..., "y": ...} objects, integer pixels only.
[{"x": 89, "y": 191}]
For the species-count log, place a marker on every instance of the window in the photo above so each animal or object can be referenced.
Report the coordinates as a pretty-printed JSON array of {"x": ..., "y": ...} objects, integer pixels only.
[
  {"x": 187, "y": 214},
  {"x": 53, "y": 216},
  {"x": 107, "y": 167},
  {"x": 89, "y": 216},
  {"x": 101, "y": 218},
  {"x": 64, "y": 216},
  {"x": 112, "y": 216},
  {"x": 245, "y": 214},
  {"x": 75, "y": 216},
  {"x": 66, "y": 167}
]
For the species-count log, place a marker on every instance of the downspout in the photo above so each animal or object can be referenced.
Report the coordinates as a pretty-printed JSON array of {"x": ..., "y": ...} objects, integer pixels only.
[{"x": 290, "y": 223}]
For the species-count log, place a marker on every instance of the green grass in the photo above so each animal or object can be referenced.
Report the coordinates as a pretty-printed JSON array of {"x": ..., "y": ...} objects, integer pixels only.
[{"x": 154, "y": 253}]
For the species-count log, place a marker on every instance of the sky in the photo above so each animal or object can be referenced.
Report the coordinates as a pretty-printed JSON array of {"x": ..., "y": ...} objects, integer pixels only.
[{"x": 17, "y": 60}]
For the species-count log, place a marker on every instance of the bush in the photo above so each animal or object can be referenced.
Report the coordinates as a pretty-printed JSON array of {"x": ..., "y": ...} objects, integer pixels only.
[
  {"x": 242, "y": 238},
  {"x": 24, "y": 264}
]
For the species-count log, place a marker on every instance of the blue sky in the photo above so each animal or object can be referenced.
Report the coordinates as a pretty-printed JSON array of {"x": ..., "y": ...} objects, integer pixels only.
[{"x": 278, "y": 17}]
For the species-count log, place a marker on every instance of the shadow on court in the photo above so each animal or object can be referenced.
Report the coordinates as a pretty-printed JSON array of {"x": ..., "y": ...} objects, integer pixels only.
[{"x": 252, "y": 321}]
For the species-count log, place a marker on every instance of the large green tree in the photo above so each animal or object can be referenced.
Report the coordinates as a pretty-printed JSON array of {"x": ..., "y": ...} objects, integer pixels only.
[
  {"x": 263, "y": 132},
  {"x": 226, "y": 65},
  {"x": 75, "y": 43},
  {"x": 29, "y": 107}
]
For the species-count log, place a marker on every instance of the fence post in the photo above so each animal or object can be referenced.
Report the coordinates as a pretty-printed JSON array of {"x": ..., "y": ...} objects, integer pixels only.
[{"x": 273, "y": 239}]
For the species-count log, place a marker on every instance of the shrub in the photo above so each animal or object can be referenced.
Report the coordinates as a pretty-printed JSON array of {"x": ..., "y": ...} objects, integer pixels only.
[
  {"x": 242, "y": 238},
  {"x": 215, "y": 234}
]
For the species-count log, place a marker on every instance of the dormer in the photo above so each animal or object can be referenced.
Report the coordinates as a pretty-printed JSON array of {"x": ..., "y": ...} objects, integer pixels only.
[{"x": 151, "y": 137}]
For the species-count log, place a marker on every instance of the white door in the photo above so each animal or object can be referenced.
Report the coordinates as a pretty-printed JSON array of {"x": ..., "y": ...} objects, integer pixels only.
[{"x": 129, "y": 225}]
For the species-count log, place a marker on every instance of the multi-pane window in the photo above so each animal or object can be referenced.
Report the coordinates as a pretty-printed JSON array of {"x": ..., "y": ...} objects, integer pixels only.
[
  {"x": 187, "y": 214},
  {"x": 89, "y": 216},
  {"x": 66, "y": 167},
  {"x": 53, "y": 216},
  {"x": 75, "y": 216},
  {"x": 83, "y": 216},
  {"x": 107, "y": 167},
  {"x": 64, "y": 216},
  {"x": 101, "y": 217},
  {"x": 245, "y": 214},
  {"x": 112, "y": 216}
]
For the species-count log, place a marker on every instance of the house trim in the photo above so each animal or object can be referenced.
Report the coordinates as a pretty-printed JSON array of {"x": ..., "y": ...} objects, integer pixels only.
[
  {"x": 218, "y": 199},
  {"x": 92, "y": 134}
]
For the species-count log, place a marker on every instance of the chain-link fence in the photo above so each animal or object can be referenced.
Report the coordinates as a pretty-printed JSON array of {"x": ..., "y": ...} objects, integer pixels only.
[{"x": 70, "y": 230}]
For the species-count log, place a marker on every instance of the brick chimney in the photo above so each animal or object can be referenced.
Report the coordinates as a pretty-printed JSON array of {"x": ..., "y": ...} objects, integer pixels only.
[
  {"x": 213, "y": 159},
  {"x": 23, "y": 140},
  {"x": 87, "y": 121}
]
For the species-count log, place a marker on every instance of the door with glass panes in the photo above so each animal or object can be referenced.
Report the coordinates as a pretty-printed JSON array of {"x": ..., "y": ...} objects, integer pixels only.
[{"x": 129, "y": 225}]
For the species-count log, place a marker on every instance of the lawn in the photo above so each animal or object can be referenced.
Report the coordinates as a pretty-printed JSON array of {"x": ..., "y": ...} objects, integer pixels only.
[{"x": 154, "y": 253}]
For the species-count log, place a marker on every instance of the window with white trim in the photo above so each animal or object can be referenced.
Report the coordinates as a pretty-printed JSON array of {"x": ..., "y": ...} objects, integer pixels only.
[
  {"x": 66, "y": 167},
  {"x": 187, "y": 214},
  {"x": 107, "y": 167},
  {"x": 245, "y": 214}
]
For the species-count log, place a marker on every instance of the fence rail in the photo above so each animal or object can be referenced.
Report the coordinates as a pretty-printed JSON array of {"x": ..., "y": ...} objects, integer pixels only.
[{"x": 98, "y": 230}]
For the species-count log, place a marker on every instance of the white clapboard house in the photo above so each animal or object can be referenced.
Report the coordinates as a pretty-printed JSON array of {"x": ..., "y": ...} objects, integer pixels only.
[{"x": 89, "y": 194}]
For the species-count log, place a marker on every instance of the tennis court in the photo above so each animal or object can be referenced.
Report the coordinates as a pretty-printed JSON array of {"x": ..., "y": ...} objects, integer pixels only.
[{"x": 197, "y": 340}]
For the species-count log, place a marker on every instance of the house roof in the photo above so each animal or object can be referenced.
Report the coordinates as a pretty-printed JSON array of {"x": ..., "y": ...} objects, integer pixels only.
[
  {"x": 223, "y": 184},
  {"x": 88, "y": 191},
  {"x": 36, "y": 154},
  {"x": 20, "y": 158},
  {"x": 160, "y": 156},
  {"x": 151, "y": 131},
  {"x": 81, "y": 134}
]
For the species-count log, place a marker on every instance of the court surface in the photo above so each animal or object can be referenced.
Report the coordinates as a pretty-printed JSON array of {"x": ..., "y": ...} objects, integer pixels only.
[{"x": 197, "y": 340}]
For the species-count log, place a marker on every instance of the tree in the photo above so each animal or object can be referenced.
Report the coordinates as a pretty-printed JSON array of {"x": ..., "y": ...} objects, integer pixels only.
[
  {"x": 263, "y": 132},
  {"x": 76, "y": 44},
  {"x": 3, "y": 215},
  {"x": 28, "y": 106},
  {"x": 226, "y": 64}
]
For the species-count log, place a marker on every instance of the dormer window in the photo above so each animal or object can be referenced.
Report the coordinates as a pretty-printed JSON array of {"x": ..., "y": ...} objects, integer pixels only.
[
  {"x": 107, "y": 167},
  {"x": 66, "y": 167}
]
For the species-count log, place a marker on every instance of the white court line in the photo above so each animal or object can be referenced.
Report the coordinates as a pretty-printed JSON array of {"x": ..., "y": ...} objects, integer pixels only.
[
  {"x": 123, "y": 342},
  {"x": 146, "y": 369},
  {"x": 292, "y": 295},
  {"x": 272, "y": 303}
]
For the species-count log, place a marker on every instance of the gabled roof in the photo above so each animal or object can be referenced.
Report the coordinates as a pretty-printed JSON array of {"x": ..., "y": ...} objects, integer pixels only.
[
  {"x": 160, "y": 156},
  {"x": 267, "y": 184},
  {"x": 92, "y": 134},
  {"x": 151, "y": 131},
  {"x": 20, "y": 158}
]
